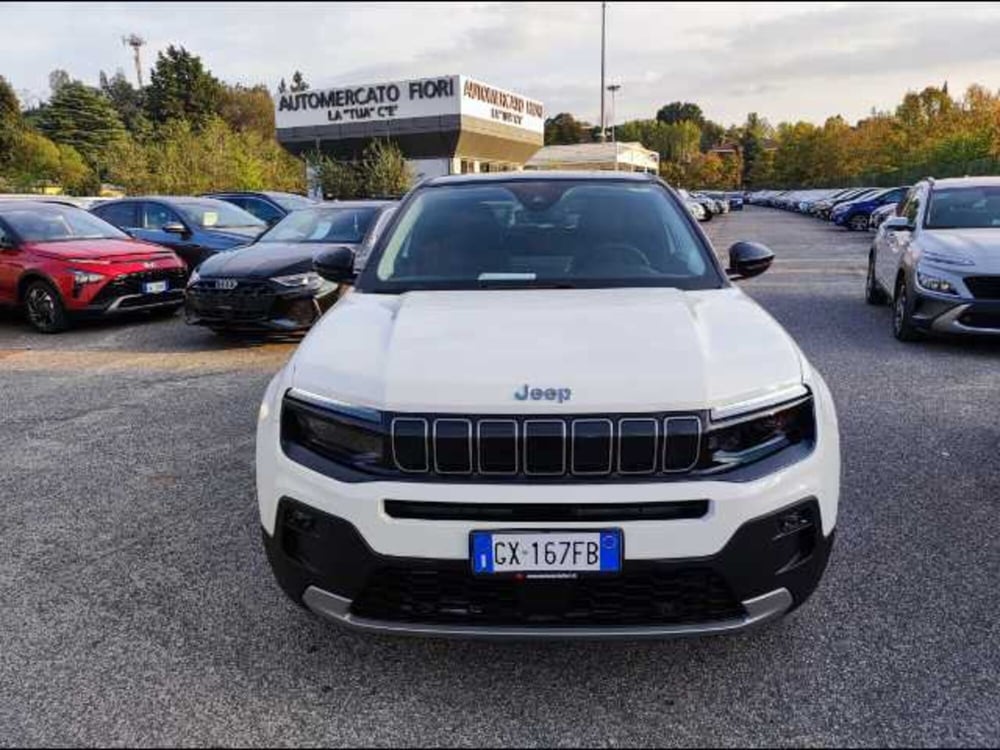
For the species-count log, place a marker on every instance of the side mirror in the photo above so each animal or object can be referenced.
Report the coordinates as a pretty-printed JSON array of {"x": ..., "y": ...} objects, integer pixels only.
[
  {"x": 748, "y": 259},
  {"x": 335, "y": 264},
  {"x": 174, "y": 228},
  {"x": 6, "y": 243},
  {"x": 897, "y": 224}
]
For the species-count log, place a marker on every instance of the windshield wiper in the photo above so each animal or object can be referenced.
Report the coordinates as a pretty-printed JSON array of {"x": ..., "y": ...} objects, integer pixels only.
[{"x": 522, "y": 284}]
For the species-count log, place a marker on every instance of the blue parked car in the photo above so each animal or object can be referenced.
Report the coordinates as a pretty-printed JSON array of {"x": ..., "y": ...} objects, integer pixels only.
[
  {"x": 854, "y": 214},
  {"x": 194, "y": 228},
  {"x": 267, "y": 205}
]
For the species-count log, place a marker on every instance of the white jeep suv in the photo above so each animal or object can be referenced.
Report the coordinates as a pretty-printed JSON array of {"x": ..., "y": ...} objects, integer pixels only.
[{"x": 545, "y": 411}]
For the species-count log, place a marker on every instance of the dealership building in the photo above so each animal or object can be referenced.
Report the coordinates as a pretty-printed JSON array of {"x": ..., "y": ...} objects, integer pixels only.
[{"x": 446, "y": 125}]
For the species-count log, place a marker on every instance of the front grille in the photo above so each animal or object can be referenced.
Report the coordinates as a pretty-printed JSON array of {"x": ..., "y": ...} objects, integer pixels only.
[
  {"x": 545, "y": 447},
  {"x": 455, "y": 597},
  {"x": 984, "y": 287},
  {"x": 249, "y": 300},
  {"x": 131, "y": 283}
]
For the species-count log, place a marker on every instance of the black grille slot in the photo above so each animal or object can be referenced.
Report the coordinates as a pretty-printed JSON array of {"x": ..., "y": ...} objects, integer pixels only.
[
  {"x": 637, "y": 440},
  {"x": 544, "y": 447},
  {"x": 452, "y": 596},
  {"x": 682, "y": 443},
  {"x": 453, "y": 446},
  {"x": 591, "y": 446},
  {"x": 497, "y": 446},
  {"x": 984, "y": 287},
  {"x": 547, "y": 512},
  {"x": 410, "y": 443}
]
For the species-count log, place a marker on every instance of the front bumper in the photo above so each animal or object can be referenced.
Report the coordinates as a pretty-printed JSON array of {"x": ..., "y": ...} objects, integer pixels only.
[
  {"x": 267, "y": 310},
  {"x": 947, "y": 314},
  {"x": 769, "y": 567}
]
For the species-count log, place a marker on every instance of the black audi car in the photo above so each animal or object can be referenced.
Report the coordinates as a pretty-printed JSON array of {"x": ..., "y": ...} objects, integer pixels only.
[{"x": 270, "y": 286}]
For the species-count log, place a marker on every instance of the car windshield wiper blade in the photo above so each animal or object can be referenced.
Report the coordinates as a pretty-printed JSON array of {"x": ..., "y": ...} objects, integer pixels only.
[{"x": 523, "y": 284}]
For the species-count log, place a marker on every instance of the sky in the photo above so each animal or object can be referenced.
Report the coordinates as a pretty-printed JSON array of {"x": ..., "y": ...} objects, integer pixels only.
[{"x": 786, "y": 61}]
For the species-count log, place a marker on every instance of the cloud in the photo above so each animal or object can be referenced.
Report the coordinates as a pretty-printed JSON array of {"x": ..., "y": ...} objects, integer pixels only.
[{"x": 787, "y": 61}]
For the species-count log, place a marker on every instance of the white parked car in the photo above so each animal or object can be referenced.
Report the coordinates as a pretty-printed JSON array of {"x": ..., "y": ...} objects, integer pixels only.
[
  {"x": 547, "y": 411},
  {"x": 938, "y": 262}
]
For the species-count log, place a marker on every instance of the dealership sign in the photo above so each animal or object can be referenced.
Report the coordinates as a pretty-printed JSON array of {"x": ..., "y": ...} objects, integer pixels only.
[{"x": 398, "y": 100}]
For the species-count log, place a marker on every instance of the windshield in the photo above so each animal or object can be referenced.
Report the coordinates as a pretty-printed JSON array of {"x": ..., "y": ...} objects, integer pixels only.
[
  {"x": 347, "y": 225},
  {"x": 59, "y": 224},
  {"x": 290, "y": 201},
  {"x": 214, "y": 214},
  {"x": 964, "y": 208},
  {"x": 541, "y": 233}
]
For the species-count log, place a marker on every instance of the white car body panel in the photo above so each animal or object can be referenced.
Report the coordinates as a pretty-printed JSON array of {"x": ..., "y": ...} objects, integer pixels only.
[
  {"x": 618, "y": 350},
  {"x": 468, "y": 351}
]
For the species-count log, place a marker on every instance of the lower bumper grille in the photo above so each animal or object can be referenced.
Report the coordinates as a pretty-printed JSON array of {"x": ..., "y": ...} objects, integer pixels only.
[
  {"x": 990, "y": 320},
  {"x": 132, "y": 284},
  {"x": 247, "y": 302},
  {"x": 454, "y": 597}
]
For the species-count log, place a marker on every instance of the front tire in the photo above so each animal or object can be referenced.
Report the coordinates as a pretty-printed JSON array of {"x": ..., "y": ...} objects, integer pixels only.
[
  {"x": 874, "y": 295},
  {"x": 902, "y": 314},
  {"x": 44, "y": 308},
  {"x": 858, "y": 223}
]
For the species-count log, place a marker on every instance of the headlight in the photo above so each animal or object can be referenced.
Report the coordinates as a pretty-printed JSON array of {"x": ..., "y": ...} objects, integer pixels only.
[
  {"x": 310, "y": 280},
  {"x": 935, "y": 284},
  {"x": 195, "y": 276},
  {"x": 87, "y": 277},
  {"x": 348, "y": 436},
  {"x": 751, "y": 437}
]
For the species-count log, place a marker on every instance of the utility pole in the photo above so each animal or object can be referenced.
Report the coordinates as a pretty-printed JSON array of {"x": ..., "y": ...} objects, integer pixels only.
[
  {"x": 135, "y": 42},
  {"x": 613, "y": 88},
  {"x": 604, "y": 9}
]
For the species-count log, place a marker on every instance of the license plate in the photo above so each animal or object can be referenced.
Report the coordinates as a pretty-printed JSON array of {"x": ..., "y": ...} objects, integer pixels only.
[
  {"x": 496, "y": 552},
  {"x": 154, "y": 287}
]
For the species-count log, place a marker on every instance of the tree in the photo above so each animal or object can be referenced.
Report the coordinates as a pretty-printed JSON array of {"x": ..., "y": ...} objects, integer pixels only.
[
  {"x": 127, "y": 101},
  {"x": 248, "y": 109},
  {"x": 79, "y": 116},
  {"x": 676, "y": 112},
  {"x": 10, "y": 121},
  {"x": 57, "y": 79},
  {"x": 563, "y": 129},
  {"x": 298, "y": 83},
  {"x": 338, "y": 180},
  {"x": 384, "y": 170},
  {"x": 181, "y": 88},
  {"x": 35, "y": 161},
  {"x": 712, "y": 135},
  {"x": 753, "y": 133}
]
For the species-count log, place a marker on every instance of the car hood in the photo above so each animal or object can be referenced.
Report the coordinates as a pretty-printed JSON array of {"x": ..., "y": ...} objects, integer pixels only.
[
  {"x": 104, "y": 250},
  {"x": 981, "y": 246},
  {"x": 263, "y": 260},
  {"x": 616, "y": 350}
]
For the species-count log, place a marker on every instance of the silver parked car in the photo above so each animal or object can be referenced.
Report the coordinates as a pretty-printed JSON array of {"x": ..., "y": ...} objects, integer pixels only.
[{"x": 938, "y": 261}]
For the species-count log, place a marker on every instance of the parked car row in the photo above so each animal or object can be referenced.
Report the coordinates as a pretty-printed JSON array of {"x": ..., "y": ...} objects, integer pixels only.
[
  {"x": 706, "y": 205},
  {"x": 851, "y": 208},
  {"x": 60, "y": 263}
]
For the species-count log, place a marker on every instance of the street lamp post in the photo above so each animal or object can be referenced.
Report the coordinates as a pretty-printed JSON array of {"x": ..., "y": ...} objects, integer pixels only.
[
  {"x": 613, "y": 88},
  {"x": 603, "y": 134}
]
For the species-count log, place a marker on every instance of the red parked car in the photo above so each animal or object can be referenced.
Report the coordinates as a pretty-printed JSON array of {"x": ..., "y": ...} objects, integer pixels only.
[{"x": 60, "y": 262}]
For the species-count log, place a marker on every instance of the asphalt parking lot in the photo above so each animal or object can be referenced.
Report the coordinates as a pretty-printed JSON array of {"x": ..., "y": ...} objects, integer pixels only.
[{"x": 138, "y": 607}]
